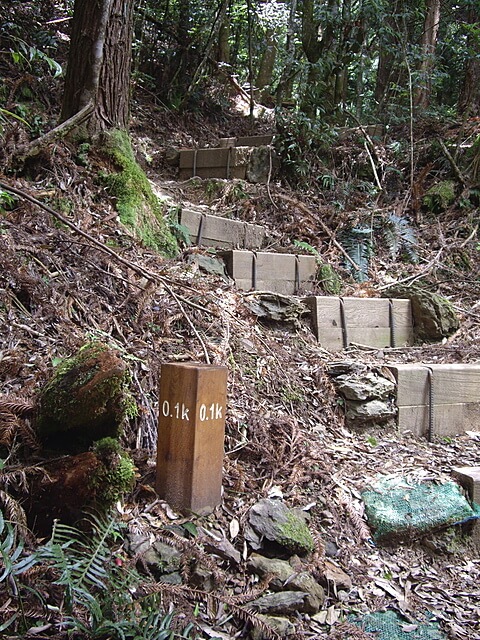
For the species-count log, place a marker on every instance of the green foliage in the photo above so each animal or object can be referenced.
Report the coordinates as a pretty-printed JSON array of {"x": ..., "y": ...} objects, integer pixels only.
[
  {"x": 25, "y": 56},
  {"x": 7, "y": 200},
  {"x": 99, "y": 591},
  {"x": 115, "y": 476},
  {"x": 358, "y": 244},
  {"x": 306, "y": 246},
  {"x": 439, "y": 197},
  {"x": 300, "y": 144},
  {"x": 329, "y": 280},
  {"x": 136, "y": 203},
  {"x": 400, "y": 236}
]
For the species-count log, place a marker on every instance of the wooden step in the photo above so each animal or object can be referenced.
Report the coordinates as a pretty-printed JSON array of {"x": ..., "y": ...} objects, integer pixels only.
[
  {"x": 374, "y": 322},
  {"x": 215, "y": 231},
  {"x": 454, "y": 390},
  {"x": 284, "y": 273},
  {"x": 226, "y": 163},
  {"x": 246, "y": 141}
]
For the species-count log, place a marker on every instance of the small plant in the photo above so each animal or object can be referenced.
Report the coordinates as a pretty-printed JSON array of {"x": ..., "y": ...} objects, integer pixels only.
[
  {"x": 358, "y": 244},
  {"x": 7, "y": 201},
  {"x": 400, "y": 236}
]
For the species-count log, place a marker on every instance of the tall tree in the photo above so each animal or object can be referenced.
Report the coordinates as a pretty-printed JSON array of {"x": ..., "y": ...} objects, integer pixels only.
[
  {"x": 99, "y": 63},
  {"x": 469, "y": 99},
  {"x": 428, "y": 45}
]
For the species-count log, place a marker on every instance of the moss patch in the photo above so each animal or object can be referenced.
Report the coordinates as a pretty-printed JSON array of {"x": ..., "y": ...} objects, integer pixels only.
[
  {"x": 295, "y": 535},
  {"x": 114, "y": 476},
  {"x": 88, "y": 398},
  {"x": 138, "y": 206},
  {"x": 329, "y": 280},
  {"x": 440, "y": 196}
]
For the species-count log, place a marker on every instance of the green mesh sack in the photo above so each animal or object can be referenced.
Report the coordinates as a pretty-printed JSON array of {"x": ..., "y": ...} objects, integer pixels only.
[
  {"x": 389, "y": 625},
  {"x": 398, "y": 507}
]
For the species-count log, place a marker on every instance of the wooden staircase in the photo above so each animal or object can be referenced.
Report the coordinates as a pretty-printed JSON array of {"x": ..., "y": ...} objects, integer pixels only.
[{"x": 430, "y": 399}]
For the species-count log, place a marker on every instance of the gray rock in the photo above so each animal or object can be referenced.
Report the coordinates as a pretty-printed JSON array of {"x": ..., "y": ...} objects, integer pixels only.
[
  {"x": 284, "y": 577},
  {"x": 276, "y": 307},
  {"x": 272, "y": 521},
  {"x": 285, "y": 603},
  {"x": 368, "y": 386},
  {"x": 210, "y": 265},
  {"x": 282, "y": 626},
  {"x": 434, "y": 317},
  {"x": 370, "y": 411},
  {"x": 281, "y": 570},
  {"x": 156, "y": 555},
  {"x": 261, "y": 163}
]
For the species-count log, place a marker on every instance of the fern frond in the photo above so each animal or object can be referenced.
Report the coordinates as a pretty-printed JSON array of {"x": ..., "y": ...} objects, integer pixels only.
[{"x": 17, "y": 406}]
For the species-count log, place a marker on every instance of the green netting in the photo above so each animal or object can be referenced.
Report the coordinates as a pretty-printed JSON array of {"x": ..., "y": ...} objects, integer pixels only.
[
  {"x": 389, "y": 625},
  {"x": 397, "y": 507}
]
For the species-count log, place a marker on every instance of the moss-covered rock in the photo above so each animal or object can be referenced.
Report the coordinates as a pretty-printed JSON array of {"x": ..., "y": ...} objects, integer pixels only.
[
  {"x": 87, "y": 399},
  {"x": 91, "y": 480},
  {"x": 138, "y": 206},
  {"x": 434, "y": 317},
  {"x": 272, "y": 522}
]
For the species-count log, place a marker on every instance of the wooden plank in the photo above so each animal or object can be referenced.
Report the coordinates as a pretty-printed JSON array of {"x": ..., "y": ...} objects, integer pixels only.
[
  {"x": 412, "y": 384},
  {"x": 469, "y": 478},
  {"x": 456, "y": 383},
  {"x": 191, "y": 430},
  {"x": 366, "y": 312},
  {"x": 221, "y": 232},
  {"x": 270, "y": 271},
  {"x": 367, "y": 320},
  {"x": 448, "y": 419},
  {"x": 253, "y": 141},
  {"x": 378, "y": 337},
  {"x": 202, "y": 158},
  {"x": 452, "y": 383}
]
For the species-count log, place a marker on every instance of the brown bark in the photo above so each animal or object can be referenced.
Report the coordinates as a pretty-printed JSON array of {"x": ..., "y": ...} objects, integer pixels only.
[
  {"x": 469, "y": 98},
  {"x": 428, "y": 43},
  {"x": 99, "y": 63}
]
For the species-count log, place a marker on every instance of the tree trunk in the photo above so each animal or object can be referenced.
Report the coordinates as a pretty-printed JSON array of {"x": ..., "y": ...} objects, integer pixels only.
[
  {"x": 267, "y": 62},
  {"x": 99, "y": 63},
  {"x": 429, "y": 43},
  {"x": 469, "y": 98}
]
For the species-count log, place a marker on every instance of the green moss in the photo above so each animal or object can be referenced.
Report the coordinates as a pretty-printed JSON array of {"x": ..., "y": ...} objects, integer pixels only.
[
  {"x": 440, "y": 196},
  {"x": 114, "y": 476},
  {"x": 329, "y": 279},
  {"x": 295, "y": 535},
  {"x": 88, "y": 397},
  {"x": 136, "y": 203}
]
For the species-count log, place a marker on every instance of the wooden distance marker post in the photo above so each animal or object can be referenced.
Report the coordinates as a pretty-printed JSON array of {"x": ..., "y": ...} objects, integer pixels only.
[{"x": 191, "y": 432}]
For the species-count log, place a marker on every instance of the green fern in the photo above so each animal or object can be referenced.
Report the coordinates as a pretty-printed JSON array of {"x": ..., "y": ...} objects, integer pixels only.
[
  {"x": 358, "y": 244},
  {"x": 400, "y": 236}
]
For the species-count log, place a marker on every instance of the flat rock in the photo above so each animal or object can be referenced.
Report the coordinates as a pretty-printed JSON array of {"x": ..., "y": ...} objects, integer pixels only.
[
  {"x": 367, "y": 386},
  {"x": 285, "y": 603},
  {"x": 337, "y": 576}
]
